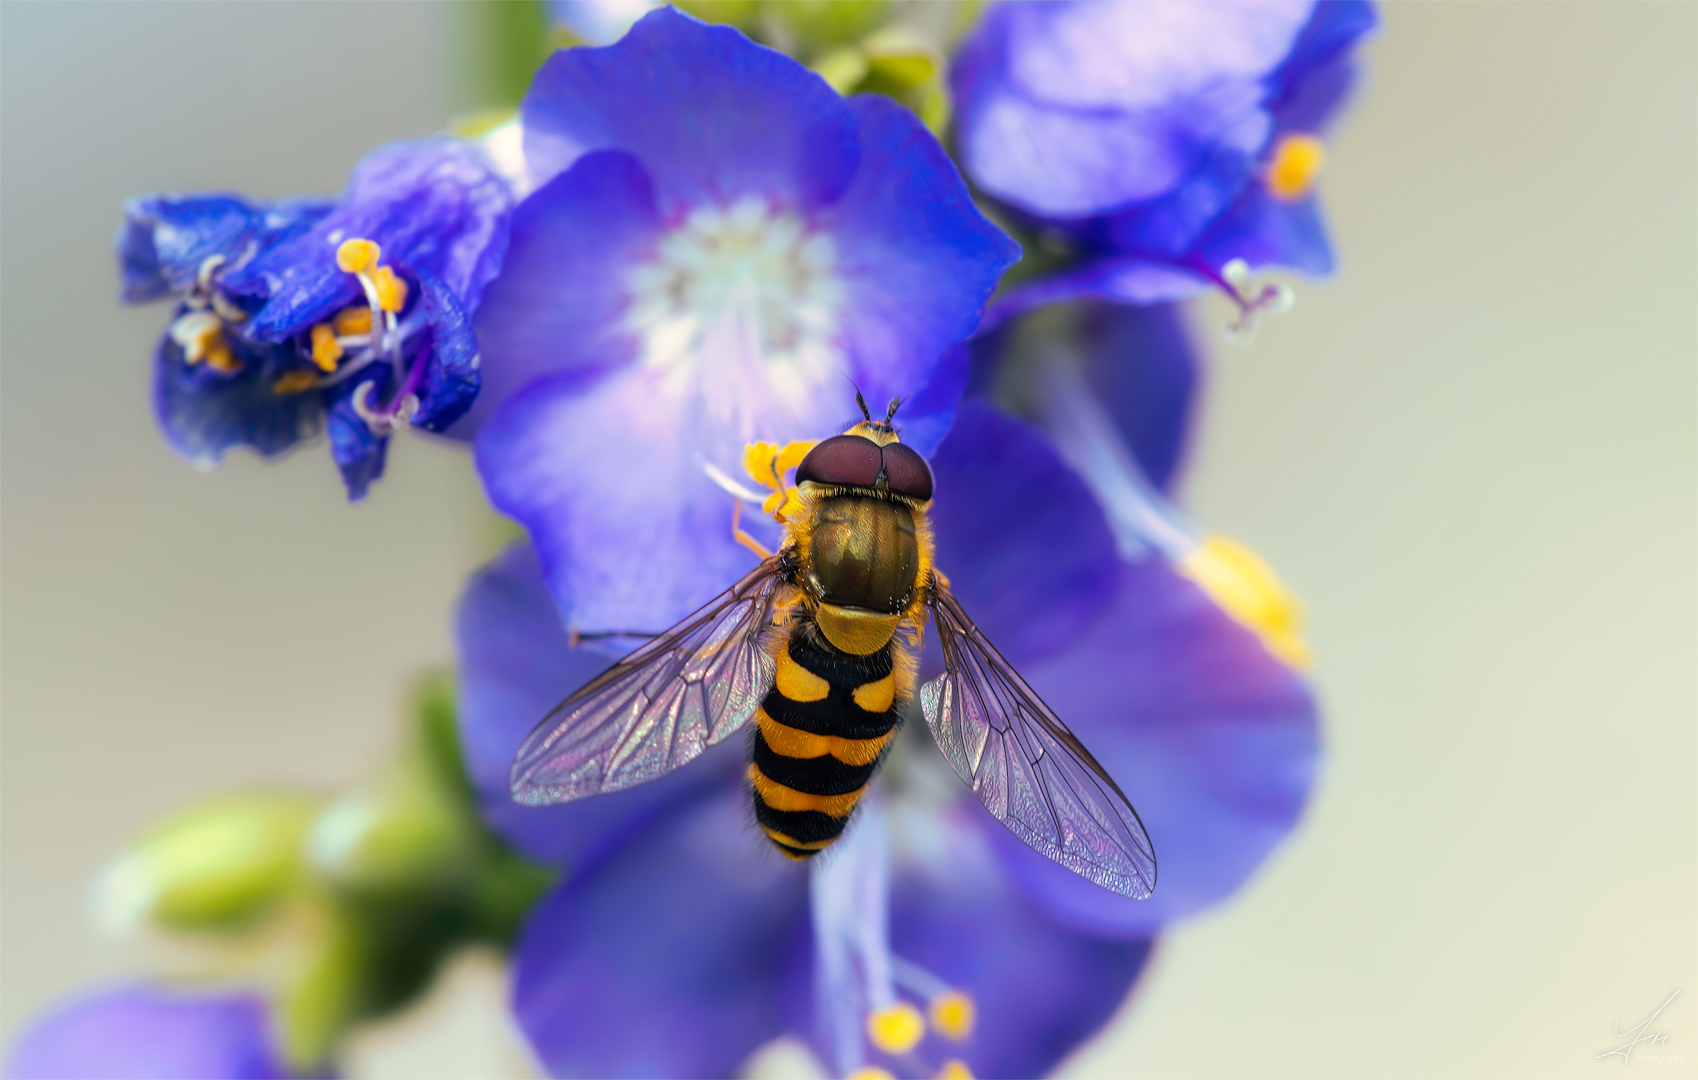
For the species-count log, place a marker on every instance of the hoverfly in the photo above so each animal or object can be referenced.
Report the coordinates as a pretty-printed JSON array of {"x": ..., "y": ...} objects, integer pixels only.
[{"x": 819, "y": 645}]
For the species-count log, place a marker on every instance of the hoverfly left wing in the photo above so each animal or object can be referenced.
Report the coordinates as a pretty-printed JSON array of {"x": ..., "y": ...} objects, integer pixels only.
[
  {"x": 1027, "y": 769},
  {"x": 662, "y": 705}
]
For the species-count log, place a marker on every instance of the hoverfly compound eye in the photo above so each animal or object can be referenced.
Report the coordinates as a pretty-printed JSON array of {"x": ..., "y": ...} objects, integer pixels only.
[
  {"x": 907, "y": 472},
  {"x": 842, "y": 461}
]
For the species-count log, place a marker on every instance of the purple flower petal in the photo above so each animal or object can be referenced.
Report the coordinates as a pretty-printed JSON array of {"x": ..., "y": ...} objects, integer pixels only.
[
  {"x": 1115, "y": 278},
  {"x": 165, "y": 239},
  {"x": 1263, "y": 231},
  {"x": 358, "y": 451},
  {"x": 558, "y": 302},
  {"x": 451, "y": 376},
  {"x": 917, "y": 259},
  {"x": 1040, "y": 989},
  {"x": 433, "y": 205},
  {"x": 1022, "y": 540},
  {"x": 145, "y": 1033},
  {"x": 632, "y": 533},
  {"x": 516, "y": 664},
  {"x": 204, "y": 413},
  {"x": 712, "y": 115},
  {"x": 679, "y": 955},
  {"x": 1073, "y": 109},
  {"x": 1213, "y": 740}
]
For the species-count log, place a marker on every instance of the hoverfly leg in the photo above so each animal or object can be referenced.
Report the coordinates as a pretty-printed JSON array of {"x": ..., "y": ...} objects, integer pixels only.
[{"x": 743, "y": 537}]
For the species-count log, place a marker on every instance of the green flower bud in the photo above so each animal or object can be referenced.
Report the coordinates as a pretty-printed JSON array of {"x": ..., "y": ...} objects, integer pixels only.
[
  {"x": 821, "y": 24},
  {"x": 738, "y": 13},
  {"x": 217, "y": 865}
]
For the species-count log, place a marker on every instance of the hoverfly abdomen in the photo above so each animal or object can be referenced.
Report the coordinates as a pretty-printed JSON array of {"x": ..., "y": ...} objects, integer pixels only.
[{"x": 819, "y": 736}]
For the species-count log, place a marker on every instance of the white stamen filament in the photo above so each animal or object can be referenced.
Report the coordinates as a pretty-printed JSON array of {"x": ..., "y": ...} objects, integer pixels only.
[
  {"x": 1087, "y": 440},
  {"x": 850, "y": 896}
]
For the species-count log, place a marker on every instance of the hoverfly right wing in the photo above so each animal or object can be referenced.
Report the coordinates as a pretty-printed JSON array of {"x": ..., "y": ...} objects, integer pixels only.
[
  {"x": 1027, "y": 769},
  {"x": 662, "y": 705}
]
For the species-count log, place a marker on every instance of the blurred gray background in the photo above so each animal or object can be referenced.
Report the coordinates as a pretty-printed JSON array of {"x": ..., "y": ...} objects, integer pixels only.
[{"x": 1474, "y": 454}]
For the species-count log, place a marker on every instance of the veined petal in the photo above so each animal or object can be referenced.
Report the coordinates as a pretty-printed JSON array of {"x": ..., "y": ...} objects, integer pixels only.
[
  {"x": 452, "y": 373},
  {"x": 558, "y": 303},
  {"x": 1039, "y": 989},
  {"x": 1213, "y": 740},
  {"x": 166, "y": 239},
  {"x": 916, "y": 259},
  {"x": 713, "y": 116},
  {"x": 606, "y": 477},
  {"x": 146, "y": 1033},
  {"x": 431, "y": 205},
  {"x": 515, "y": 664},
  {"x": 1021, "y": 538},
  {"x": 678, "y": 955}
]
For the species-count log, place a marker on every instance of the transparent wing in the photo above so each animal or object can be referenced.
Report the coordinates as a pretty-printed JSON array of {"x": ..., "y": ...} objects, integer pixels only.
[
  {"x": 1027, "y": 769},
  {"x": 661, "y": 706}
]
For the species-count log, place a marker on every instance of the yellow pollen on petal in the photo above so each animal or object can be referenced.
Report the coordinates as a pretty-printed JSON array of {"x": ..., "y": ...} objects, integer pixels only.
[
  {"x": 955, "y": 1069},
  {"x": 357, "y": 256},
  {"x": 1246, "y": 588},
  {"x": 896, "y": 1029},
  {"x": 1297, "y": 162},
  {"x": 953, "y": 1013},
  {"x": 352, "y": 320},
  {"x": 326, "y": 350},
  {"x": 391, "y": 290},
  {"x": 870, "y": 1072},
  {"x": 295, "y": 382}
]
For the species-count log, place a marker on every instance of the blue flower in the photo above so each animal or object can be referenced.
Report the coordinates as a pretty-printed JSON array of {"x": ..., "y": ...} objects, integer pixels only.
[
  {"x": 145, "y": 1033},
  {"x": 717, "y": 245},
  {"x": 679, "y": 943},
  {"x": 1164, "y": 146},
  {"x": 273, "y": 342}
]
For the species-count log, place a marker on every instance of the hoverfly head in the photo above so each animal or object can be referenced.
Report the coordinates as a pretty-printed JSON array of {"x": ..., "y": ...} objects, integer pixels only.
[{"x": 869, "y": 455}]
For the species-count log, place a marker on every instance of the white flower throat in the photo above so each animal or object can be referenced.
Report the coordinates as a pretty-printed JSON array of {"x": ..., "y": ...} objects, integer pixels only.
[{"x": 741, "y": 306}]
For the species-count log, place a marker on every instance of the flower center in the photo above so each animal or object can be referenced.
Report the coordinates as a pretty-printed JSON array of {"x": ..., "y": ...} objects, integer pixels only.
[{"x": 740, "y": 305}]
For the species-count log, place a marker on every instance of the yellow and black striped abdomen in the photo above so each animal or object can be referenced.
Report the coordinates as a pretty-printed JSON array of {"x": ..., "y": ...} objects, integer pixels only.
[{"x": 819, "y": 737}]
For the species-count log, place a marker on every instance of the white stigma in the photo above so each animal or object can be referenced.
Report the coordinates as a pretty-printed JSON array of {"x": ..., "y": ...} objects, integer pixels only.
[{"x": 740, "y": 305}]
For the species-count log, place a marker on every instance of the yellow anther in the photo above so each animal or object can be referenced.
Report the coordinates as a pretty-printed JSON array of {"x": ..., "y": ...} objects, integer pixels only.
[
  {"x": 955, "y": 1069},
  {"x": 896, "y": 1029},
  {"x": 201, "y": 334},
  {"x": 1297, "y": 161},
  {"x": 791, "y": 456},
  {"x": 295, "y": 382},
  {"x": 352, "y": 320},
  {"x": 357, "y": 256},
  {"x": 391, "y": 290},
  {"x": 953, "y": 1013},
  {"x": 870, "y": 1072},
  {"x": 758, "y": 461},
  {"x": 326, "y": 350},
  {"x": 1245, "y": 587}
]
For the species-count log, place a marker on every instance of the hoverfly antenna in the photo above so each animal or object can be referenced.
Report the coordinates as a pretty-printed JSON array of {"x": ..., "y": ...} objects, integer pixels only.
[
  {"x": 862, "y": 402},
  {"x": 890, "y": 414}
]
